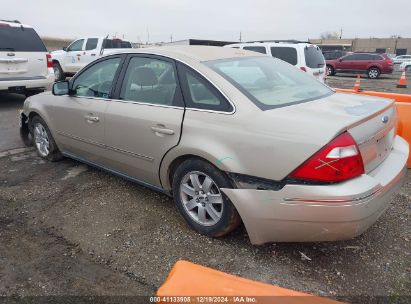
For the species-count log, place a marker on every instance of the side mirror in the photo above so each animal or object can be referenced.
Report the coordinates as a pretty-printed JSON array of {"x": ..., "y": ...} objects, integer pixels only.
[
  {"x": 61, "y": 88},
  {"x": 340, "y": 60},
  {"x": 65, "y": 49}
]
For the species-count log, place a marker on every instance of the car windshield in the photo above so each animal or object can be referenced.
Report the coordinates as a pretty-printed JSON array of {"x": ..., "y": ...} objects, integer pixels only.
[{"x": 269, "y": 82}]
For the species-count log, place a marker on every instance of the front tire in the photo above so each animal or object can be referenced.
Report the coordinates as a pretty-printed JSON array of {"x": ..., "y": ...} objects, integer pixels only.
[
  {"x": 373, "y": 73},
  {"x": 58, "y": 72},
  {"x": 43, "y": 141},
  {"x": 197, "y": 194}
]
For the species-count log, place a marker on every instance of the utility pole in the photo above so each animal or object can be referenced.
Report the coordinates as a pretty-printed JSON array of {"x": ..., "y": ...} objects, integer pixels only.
[
  {"x": 148, "y": 36},
  {"x": 341, "y": 33},
  {"x": 240, "y": 37},
  {"x": 171, "y": 37}
]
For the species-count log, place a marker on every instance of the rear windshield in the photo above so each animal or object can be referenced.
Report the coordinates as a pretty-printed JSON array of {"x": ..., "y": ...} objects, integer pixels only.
[
  {"x": 314, "y": 59},
  {"x": 20, "y": 39},
  {"x": 268, "y": 82},
  {"x": 288, "y": 54},
  {"x": 116, "y": 44}
]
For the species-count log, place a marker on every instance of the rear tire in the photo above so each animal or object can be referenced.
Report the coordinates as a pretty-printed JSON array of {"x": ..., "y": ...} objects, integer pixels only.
[
  {"x": 58, "y": 72},
  {"x": 43, "y": 141},
  {"x": 330, "y": 70},
  {"x": 373, "y": 73},
  {"x": 197, "y": 194}
]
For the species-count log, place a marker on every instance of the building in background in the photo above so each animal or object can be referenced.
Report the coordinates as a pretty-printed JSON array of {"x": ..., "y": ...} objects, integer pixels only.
[{"x": 399, "y": 46}]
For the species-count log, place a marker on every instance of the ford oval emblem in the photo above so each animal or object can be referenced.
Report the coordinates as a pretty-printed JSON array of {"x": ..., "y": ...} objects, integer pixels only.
[{"x": 385, "y": 119}]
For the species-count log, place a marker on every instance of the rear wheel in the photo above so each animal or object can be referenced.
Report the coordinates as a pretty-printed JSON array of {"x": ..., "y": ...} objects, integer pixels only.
[
  {"x": 196, "y": 190},
  {"x": 373, "y": 73},
  {"x": 330, "y": 70},
  {"x": 58, "y": 72},
  {"x": 43, "y": 140}
]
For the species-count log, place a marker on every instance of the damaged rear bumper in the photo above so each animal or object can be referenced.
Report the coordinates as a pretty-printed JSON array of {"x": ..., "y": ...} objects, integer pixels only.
[{"x": 307, "y": 213}]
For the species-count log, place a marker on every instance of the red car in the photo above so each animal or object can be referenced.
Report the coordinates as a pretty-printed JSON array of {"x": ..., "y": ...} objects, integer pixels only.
[{"x": 372, "y": 64}]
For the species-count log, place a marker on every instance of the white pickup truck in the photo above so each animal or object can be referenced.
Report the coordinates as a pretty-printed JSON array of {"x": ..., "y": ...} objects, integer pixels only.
[{"x": 81, "y": 52}]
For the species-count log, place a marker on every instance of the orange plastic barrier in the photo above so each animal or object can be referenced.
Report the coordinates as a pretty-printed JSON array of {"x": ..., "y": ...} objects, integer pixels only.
[
  {"x": 198, "y": 284},
  {"x": 403, "y": 104},
  {"x": 397, "y": 97}
]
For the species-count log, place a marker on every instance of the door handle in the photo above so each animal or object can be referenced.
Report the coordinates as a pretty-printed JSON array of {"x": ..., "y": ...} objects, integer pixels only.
[
  {"x": 160, "y": 129},
  {"x": 91, "y": 119}
]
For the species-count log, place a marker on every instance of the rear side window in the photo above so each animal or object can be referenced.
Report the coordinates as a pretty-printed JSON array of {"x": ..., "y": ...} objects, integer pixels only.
[
  {"x": 314, "y": 59},
  {"x": 20, "y": 39},
  {"x": 199, "y": 93},
  {"x": 91, "y": 44},
  {"x": 288, "y": 54},
  {"x": 258, "y": 49},
  {"x": 116, "y": 44}
]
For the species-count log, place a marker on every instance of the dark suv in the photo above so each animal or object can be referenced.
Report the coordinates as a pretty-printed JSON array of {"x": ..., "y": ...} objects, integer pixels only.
[{"x": 372, "y": 64}]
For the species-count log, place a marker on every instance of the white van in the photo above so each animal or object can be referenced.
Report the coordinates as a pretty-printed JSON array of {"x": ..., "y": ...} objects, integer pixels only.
[
  {"x": 25, "y": 65},
  {"x": 303, "y": 55}
]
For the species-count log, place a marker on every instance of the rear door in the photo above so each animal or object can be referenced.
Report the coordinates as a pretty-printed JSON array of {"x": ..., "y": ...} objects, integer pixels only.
[
  {"x": 74, "y": 53},
  {"x": 91, "y": 51},
  {"x": 22, "y": 53},
  {"x": 145, "y": 120}
]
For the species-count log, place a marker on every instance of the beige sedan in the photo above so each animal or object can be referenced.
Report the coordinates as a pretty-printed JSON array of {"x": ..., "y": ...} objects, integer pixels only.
[{"x": 234, "y": 136}]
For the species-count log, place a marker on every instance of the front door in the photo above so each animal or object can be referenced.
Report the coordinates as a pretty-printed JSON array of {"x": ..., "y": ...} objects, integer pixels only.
[
  {"x": 79, "y": 119},
  {"x": 145, "y": 121}
]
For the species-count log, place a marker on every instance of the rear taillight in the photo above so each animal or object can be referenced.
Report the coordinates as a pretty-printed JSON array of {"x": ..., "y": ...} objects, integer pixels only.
[
  {"x": 303, "y": 69},
  {"x": 339, "y": 160},
  {"x": 49, "y": 61}
]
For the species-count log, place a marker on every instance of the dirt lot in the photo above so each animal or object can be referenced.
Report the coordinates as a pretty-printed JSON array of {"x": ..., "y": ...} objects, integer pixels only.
[{"x": 69, "y": 229}]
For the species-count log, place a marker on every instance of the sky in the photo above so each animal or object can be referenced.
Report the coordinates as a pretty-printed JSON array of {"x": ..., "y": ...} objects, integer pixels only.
[{"x": 163, "y": 20}]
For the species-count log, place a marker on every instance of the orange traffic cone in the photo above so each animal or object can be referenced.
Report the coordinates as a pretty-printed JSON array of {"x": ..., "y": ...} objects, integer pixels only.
[
  {"x": 403, "y": 81},
  {"x": 357, "y": 84}
]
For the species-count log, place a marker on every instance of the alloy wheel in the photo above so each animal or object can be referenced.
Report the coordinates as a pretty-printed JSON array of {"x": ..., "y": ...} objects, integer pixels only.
[
  {"x": 373, "y": 73},
  {"x": 201, "y": 198},
  {"x": 41, "y": 140}
]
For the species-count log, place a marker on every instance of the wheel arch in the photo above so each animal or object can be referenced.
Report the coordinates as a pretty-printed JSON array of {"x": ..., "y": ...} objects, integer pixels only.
[{"x": 169, "y": 166}]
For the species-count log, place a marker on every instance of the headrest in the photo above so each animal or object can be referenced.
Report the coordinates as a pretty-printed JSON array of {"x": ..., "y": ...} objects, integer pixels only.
[{"x": 144, "y": 77}]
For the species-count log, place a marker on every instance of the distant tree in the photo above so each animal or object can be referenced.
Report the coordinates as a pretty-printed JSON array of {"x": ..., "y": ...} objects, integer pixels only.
[
  {"x": 330, "y": 35},
  {"x": 395, "y": 36}
]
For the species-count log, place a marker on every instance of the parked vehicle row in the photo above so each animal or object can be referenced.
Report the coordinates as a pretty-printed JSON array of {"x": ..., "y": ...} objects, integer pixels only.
[
  {"x": 25, "y": 64},
  {"x": 81, "y": 52},
  {"x": 233, "y": 136},
  {"x": 303, "y": 55}
]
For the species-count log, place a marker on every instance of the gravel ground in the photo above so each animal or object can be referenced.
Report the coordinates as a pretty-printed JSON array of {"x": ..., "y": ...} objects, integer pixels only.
[
  {"x": 83, "y": 231},
  {"x": 69, "y": 229}
]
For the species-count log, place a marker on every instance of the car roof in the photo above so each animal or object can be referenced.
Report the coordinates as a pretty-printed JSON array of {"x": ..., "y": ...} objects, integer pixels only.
[
  {"x": 14, "y": 23},
  {"x": 285, "y": 43},
  {"x": 197, "y": 53}
]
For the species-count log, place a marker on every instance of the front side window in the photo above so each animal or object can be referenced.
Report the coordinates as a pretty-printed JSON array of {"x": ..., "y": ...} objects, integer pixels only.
[
  {"x": 287, "y": 54},
  {"x": 150, "y": 80},
  {"x": 258, "y": 49},
  {"x": 268, "y": 82},
  {"x": 350, "y": 58},
  {"x": 76, "y": 46},
  {"x": 91, "y": 44},
  {"x": 200, "y": 93},
  {"x": 97, "y": 80}
]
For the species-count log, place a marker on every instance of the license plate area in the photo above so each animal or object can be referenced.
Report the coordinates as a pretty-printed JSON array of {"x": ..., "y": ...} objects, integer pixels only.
[{"x": 17, "y": 89}]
